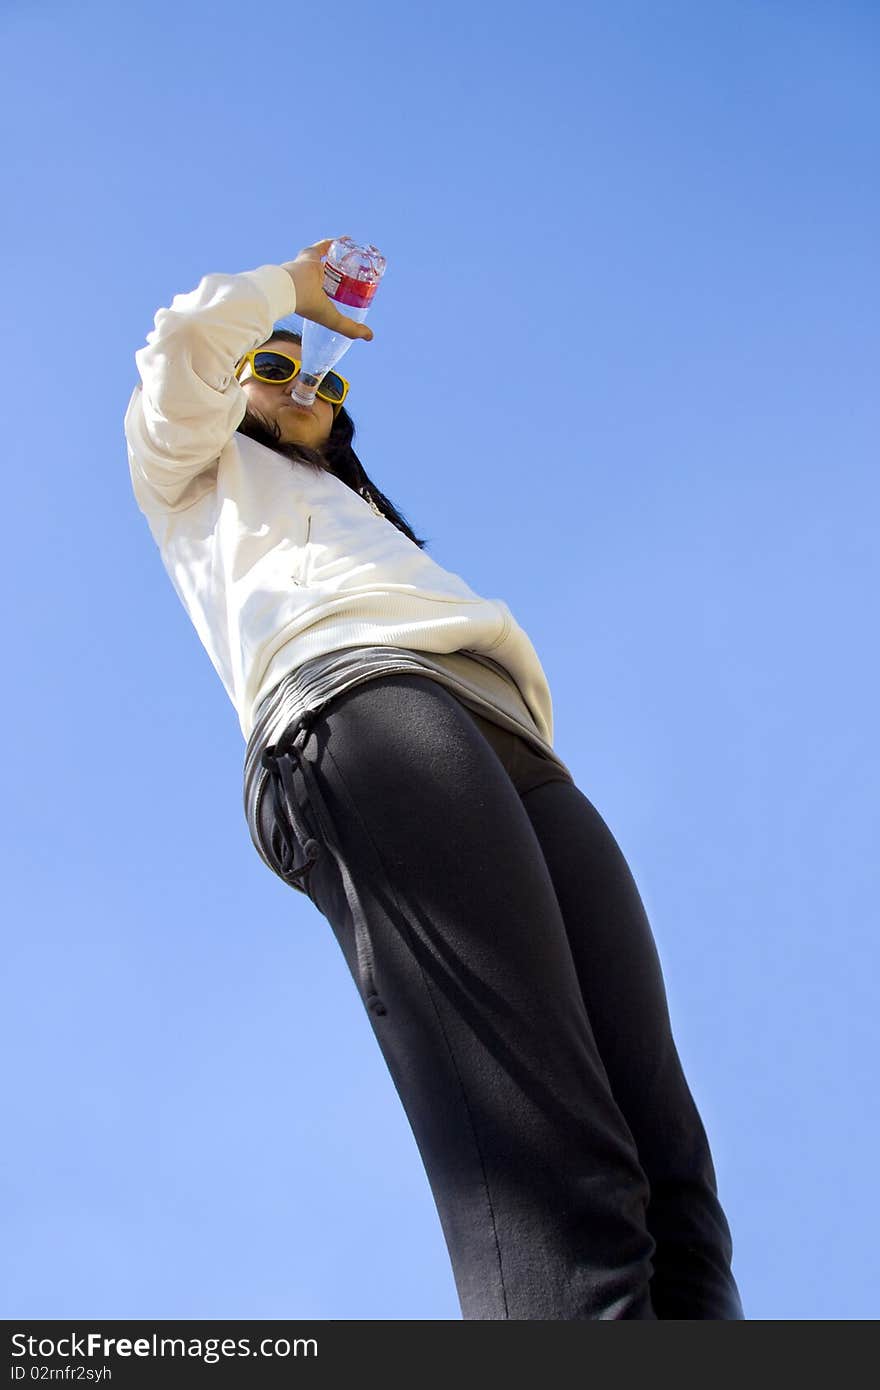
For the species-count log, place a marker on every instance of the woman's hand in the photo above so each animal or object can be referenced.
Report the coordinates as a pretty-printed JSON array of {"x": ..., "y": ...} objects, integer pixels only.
[{"x": 307, "y": 274}]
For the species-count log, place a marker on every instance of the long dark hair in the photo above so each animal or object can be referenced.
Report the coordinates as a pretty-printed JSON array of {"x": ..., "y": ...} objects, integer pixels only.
[{"x": 336, "y": 456}]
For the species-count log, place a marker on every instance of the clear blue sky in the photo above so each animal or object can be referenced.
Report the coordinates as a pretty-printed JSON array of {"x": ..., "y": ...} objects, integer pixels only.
[{"x": 625, "y": 378}]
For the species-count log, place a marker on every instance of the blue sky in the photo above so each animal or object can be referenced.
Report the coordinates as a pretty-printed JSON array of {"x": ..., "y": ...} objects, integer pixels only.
[{"x": 624, "y": 377}]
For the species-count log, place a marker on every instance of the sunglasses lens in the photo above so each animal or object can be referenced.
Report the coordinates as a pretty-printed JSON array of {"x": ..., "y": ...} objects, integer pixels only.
[
  {"x": 272, "y": 366},
  {"x": 332, "y": 387}
]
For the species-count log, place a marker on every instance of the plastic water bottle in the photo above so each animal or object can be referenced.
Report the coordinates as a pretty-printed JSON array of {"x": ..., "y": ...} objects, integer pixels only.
[{"x": 351, "y": 278}]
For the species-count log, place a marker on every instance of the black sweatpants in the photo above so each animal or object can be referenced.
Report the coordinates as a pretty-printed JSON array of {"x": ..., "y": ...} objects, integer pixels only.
[{"x": 498, "y": 941}]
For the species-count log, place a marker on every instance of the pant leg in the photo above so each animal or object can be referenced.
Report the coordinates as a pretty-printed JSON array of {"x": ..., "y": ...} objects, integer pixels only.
[
  {"x": 533, "y": 1168},
  {"x": 621, "y": 982}
]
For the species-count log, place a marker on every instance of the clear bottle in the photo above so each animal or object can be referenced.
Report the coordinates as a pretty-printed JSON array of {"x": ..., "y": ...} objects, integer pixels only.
[{"x": 351, "y": 278}]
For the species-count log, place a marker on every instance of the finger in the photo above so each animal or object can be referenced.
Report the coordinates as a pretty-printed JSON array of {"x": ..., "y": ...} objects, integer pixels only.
[{"x": 352, "y": 329}]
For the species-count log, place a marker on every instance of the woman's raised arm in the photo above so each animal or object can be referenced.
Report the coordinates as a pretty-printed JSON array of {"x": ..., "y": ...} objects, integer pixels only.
[{"x": 188, "y": 404}]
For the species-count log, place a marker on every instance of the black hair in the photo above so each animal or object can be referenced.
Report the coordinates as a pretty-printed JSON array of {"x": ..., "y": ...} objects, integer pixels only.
[{"x": 336, "y": 456}]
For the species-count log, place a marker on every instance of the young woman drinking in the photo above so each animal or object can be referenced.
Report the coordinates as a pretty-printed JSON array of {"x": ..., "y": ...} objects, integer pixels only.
[{"x": 399, "y": 770}]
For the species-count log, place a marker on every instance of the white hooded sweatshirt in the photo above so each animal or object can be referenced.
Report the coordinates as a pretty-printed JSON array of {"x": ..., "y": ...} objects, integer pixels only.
[{"x": 274, "y": 562}]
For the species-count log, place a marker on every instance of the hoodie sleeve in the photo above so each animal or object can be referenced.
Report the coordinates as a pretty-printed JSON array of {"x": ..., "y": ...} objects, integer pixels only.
[{"x": 188, "y": 405}]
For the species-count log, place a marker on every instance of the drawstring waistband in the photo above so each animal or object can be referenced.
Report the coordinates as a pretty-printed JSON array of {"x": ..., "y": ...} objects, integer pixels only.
[{"x": 281, "y": 764}]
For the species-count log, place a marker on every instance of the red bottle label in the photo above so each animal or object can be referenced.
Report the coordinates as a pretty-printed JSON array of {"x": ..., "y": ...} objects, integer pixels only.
[{"x": 345, "y": 289}]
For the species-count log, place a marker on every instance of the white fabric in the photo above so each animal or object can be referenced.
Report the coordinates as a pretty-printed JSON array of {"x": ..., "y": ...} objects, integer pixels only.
[{"x": 274, "y": 562}]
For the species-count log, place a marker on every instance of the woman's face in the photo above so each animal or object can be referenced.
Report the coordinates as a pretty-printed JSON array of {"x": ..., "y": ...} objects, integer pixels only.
[{"x": 298, "y": 424}]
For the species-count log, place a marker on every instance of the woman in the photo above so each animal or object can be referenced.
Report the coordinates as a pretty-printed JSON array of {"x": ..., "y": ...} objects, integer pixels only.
[{"x": 399, "y": 770}]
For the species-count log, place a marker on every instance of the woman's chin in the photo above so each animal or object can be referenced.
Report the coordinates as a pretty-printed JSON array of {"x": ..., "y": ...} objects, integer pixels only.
[{"x": 296, "y": 432}]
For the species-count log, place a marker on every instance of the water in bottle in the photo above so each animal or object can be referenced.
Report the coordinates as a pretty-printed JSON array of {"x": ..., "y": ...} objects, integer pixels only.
[{"x": 351, "y": 278}]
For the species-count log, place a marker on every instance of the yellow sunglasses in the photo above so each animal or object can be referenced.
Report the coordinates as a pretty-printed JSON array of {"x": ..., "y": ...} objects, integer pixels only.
[{"x": 277, "y": 367}]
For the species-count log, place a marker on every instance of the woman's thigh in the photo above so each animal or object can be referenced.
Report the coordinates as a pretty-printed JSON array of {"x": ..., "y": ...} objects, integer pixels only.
[
  {"x": 613, "y": 948},
  {"x": 420, "y": 799}
]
